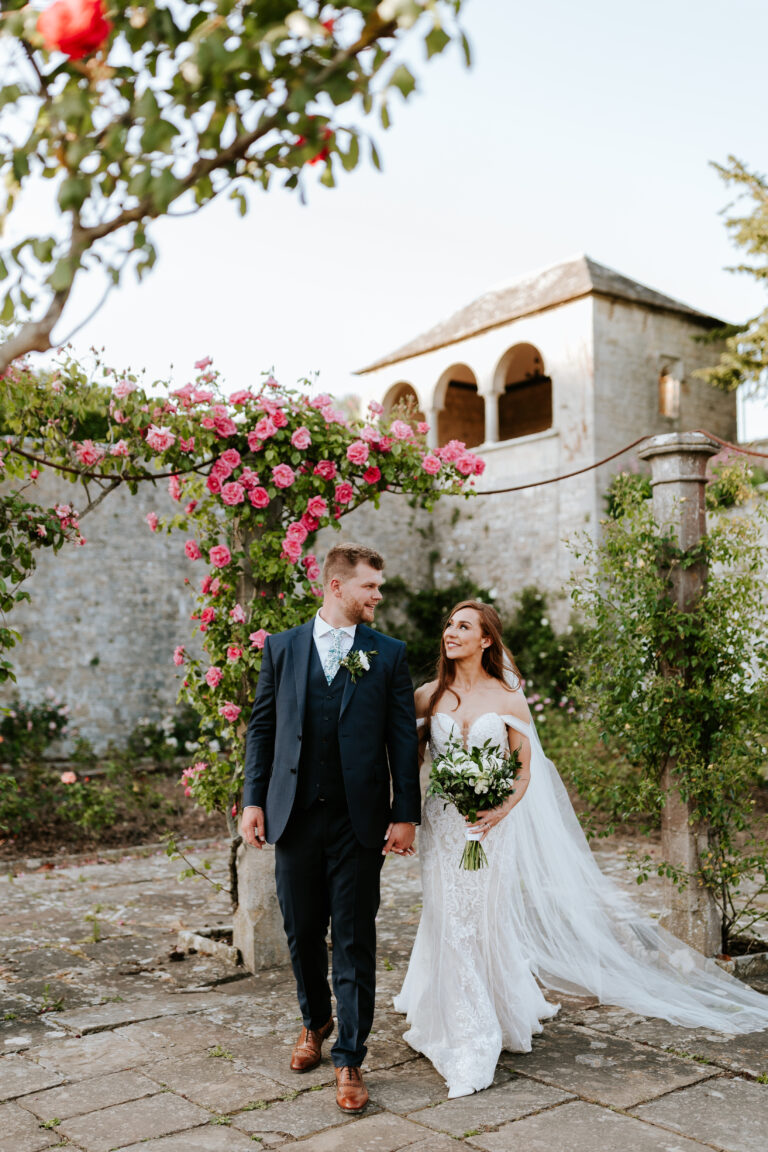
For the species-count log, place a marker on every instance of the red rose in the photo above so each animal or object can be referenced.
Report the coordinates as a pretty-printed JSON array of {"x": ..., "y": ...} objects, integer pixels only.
[{"x": 74, "y": 27}]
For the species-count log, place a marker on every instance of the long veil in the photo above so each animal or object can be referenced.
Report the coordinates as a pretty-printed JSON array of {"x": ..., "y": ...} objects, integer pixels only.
[{"x": 583, "y": 934}]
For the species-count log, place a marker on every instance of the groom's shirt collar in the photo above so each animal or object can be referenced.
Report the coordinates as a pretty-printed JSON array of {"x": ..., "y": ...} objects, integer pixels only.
[{"x": 322, "y": 628}]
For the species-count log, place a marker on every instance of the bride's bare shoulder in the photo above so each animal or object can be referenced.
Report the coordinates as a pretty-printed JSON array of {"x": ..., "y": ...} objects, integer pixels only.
[
  {"x": 422, "y": 697},
  {"x": 513, "y": 703}
]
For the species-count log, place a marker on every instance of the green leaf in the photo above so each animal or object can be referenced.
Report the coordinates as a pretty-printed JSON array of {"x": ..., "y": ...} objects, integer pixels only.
[
  {"x": 403, "y": 80},
  {"x": 435, "y": 41},
  {"x": 72, "y": 193},
  {"x": 351, "y": 158},
  {"x": 43, "y": 249},
  {"x": 62, "y": 276}
]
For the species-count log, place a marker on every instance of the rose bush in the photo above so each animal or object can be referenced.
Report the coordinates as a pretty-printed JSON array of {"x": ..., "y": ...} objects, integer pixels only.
[{"x": 256, "y": 475}]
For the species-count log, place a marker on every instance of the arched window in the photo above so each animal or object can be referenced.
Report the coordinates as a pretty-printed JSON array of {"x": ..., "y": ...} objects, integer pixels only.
[
  {"x": 461, "y": 415},
  {"x": 525, "y": 397},
  {"x": 403, "y": 397}
]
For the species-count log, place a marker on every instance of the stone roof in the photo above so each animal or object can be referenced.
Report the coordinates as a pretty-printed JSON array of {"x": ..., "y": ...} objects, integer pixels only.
[{"x": 534, "y": 293}]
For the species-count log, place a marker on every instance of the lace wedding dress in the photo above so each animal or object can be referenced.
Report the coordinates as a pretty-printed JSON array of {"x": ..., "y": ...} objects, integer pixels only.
[{"x": 542, "y": 909}]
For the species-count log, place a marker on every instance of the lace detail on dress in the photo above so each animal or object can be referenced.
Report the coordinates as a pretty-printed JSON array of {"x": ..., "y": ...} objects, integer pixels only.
[
  {"x": 541, "y": 907},
  {"x": 469, "y": 991}
]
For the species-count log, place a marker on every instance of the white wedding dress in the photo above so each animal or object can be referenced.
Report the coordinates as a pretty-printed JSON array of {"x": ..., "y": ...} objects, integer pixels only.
[{"x": 542, "y": 909}]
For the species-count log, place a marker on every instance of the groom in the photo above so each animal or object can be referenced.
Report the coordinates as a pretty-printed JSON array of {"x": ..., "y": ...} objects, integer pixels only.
[{"x": 332, "y": 780}]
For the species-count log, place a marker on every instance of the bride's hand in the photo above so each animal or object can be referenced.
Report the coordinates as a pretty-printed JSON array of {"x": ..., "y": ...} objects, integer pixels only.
[{"x": 490, "y": 817}]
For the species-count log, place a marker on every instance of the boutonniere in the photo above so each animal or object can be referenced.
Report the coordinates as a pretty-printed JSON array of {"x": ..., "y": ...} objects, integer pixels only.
[{"x": 357, "y": 662}]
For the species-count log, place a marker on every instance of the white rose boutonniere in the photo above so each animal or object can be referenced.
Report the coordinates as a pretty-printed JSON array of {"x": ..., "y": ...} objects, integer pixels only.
[{"x": 357, "y": 662}]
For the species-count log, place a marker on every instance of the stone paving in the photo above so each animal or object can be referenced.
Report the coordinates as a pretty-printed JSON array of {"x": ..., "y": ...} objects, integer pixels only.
[{"x": 114, "y": 1038}]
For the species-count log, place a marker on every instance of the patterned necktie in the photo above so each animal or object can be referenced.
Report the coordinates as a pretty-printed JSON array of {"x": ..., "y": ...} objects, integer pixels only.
[{"x": 335, "y": 655}]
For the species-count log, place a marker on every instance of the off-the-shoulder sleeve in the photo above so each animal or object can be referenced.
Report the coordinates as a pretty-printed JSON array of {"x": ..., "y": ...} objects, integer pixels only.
[{"x": 520, "y": 725}]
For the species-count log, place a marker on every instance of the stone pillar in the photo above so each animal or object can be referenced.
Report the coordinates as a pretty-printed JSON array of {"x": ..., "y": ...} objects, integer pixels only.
[
  {"x": 433, "y": 415},
  {"x": 258, "y": 923},
  {"x": 491, "y": 418},
  {"x": 678, "y": 477}
]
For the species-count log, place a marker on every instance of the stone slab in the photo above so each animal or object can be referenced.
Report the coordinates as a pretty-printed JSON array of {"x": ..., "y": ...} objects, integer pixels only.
[
  {"x": 21, "y": 1132},
  {"x": 747, "y": 1053},
  {"x": 107, "y": 1016},
  {"x": 101, "y": 1091},
  {"x": 216, "y": 1083},
  {"x": 406, "y": 1088},
  {"x": 488, "y": 1109},
  {"x": 90, "y": 1055},
  {"x": 212, "y": 1138},
  {"x": 132, "y": 1122},
  {"x": 380, "y": 1133},
  {"x": 19, "y": 1076},
  {"x": 603, "y": 1068},
  {"x": 581, "y": 1127},
  {"x": 731, "y": 1114},
  {"x": 308, "y": 1113}
]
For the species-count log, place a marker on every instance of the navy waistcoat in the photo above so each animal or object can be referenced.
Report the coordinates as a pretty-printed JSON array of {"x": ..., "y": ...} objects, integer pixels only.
[{"x": 320, "y": 775}]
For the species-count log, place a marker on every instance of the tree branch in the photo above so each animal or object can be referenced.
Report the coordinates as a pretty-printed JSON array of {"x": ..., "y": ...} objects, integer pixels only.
[{"x": 35, "y": 336}]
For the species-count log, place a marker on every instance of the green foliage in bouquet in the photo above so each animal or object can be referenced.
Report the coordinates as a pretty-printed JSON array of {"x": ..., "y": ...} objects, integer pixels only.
[{"x": 473, "y": 779}]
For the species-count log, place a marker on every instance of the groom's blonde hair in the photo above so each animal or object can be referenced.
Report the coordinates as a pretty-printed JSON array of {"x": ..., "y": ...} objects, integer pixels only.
[{"x": 342, "y": 560}]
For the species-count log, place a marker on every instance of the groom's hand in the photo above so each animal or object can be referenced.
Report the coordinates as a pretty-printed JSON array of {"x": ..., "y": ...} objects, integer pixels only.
[
  {"x": 399, "y": 838},
  {"x": 252, "y": 827}
]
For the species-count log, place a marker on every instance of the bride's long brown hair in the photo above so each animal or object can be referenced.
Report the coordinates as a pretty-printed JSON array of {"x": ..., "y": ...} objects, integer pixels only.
[{"x": 496, "y": 659}]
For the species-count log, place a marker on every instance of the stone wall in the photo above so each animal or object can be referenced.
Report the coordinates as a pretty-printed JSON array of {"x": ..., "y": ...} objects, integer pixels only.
[{"x": 104, "y": 618}]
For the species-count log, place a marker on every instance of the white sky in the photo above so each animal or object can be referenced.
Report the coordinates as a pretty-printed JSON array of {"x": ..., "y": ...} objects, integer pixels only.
[{"x": 580, "y": 128}]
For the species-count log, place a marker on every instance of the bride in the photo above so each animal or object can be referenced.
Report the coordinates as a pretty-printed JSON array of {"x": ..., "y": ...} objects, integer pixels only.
[{"x": 542, "y": 911}]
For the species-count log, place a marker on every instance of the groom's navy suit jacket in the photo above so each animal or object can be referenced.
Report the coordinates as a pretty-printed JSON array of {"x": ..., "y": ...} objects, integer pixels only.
[{"x": 378, "y": 743}]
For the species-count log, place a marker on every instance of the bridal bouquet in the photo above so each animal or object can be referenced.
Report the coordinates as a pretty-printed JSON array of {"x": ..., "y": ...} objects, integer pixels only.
[{"x": 472, "y": 779}]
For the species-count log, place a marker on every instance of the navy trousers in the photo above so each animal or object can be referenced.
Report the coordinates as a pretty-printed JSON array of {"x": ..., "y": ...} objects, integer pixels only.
[{"x": 323, "y": 874}]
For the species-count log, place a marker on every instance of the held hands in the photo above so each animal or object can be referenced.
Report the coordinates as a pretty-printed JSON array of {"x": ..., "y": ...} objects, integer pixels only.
[
  {"x": 252, "y": 827},
  {"x": 399, "y": 839},
  {"x": 490, "y": 817}
]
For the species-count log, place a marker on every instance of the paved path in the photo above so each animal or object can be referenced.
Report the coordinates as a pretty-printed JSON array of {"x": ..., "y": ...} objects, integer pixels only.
[{"x": 111, "y": 1041}]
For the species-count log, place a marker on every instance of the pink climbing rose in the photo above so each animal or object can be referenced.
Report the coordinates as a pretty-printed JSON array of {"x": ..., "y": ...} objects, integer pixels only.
[
  {"x": 344, "y": 492},
  {"x": 317, "y": 507},
  {"x": 160, "y": 438},
  {"x": 301, "y": 438},
  {"x": 258, "y": 637},
  {"x": 357, "y": 453},
  {"x": 220, "y": 556},
  {"x": 283, "y": 475},
  {"x": 230, "y": 711},
  {"x": 259, "y": 497},
  {"x": 214, "y": 676},
  {"x": 88, "y": 453},
  {"x": 233, "y": 493},
  {"x": 431, "y": 464}
]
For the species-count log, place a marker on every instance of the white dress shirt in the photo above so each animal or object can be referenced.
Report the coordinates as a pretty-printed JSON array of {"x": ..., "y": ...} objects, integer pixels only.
[{"x": 323, "y": 640}]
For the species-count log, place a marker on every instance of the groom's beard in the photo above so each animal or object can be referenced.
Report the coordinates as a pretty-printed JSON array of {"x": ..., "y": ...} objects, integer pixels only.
[{"x": 358, "y": 613}]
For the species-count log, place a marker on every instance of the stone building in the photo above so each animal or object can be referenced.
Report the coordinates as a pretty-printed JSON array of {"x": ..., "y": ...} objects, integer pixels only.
[
  {"x": 558, "y": 370},
  {"x": 541, "y": 378}
]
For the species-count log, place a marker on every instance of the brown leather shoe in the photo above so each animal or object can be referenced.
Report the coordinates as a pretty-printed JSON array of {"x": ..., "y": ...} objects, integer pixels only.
[
  {"x": 308, "y": 1049},
  {"x": 351, "y": 1092}
]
